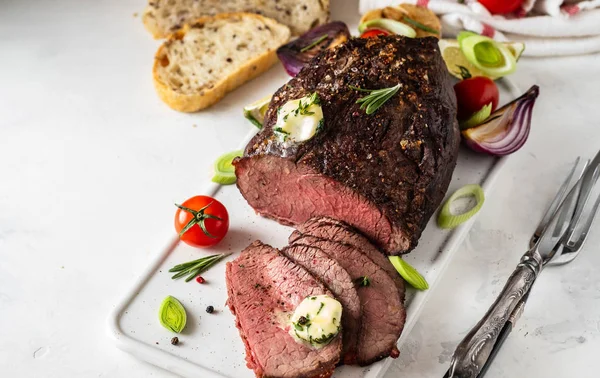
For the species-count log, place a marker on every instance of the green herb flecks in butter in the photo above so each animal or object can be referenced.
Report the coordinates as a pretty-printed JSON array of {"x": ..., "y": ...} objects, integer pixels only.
[
  {"x": 299, "y": 120},
  {"x": 316, "y": 320}
]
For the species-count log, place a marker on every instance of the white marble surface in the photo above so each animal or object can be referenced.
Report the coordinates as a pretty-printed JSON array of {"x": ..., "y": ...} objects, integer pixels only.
[{"x": 91, "y": 162}]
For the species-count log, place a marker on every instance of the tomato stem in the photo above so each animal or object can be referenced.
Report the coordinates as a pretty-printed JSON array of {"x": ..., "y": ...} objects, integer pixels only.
[{"x": 199, "y": 217}]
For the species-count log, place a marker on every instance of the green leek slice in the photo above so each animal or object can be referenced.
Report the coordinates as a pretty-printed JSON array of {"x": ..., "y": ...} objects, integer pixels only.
[
  {"x": 448, "y": 220},
  {"x": 516, "y": 49},
  {"x": 392, "y": 26},
  {"x": 224, "y": 170},
  {"x": 477, "y": 118},
  {"x": 410, "y": 274},
  {"x": 491, "y": 57},
  {"x": 464, "y": 34},
  {"x": 256, "y": 111},
  {"x": 172, "y": 315}
]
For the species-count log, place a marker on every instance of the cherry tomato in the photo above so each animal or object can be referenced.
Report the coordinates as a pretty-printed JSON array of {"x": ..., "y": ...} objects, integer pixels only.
[
  {"x": 502, "y": 6},
  {"x": 473, "y": 94},
  {"x": 374, "y": 32},
  {"x": 201, "y": 221}
]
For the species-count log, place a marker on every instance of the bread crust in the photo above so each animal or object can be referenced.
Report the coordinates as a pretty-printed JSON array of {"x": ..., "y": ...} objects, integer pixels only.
[
  {"x": 152, "y": 24},
  {"x": 186, "y": 102}
]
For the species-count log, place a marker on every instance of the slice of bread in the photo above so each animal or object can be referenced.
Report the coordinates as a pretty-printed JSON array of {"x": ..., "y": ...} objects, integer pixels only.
[
  {"x": 162, "y": 17},
  {"x": 200, "y": 63}
]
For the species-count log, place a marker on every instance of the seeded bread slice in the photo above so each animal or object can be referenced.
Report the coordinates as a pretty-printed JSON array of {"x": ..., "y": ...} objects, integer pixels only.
[
  {"x": 162, "y": 17},
  {"x": 202, "y": 62}
]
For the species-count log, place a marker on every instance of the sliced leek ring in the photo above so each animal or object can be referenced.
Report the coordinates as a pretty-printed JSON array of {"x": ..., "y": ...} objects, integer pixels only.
[
  {"x": 448, "y": 220},
  {"x": 454, "y": 57},
  {"x": 224, "y": 170},
  {"x": 392, "y": 26},
  {"x": 410, "y": 274},
  {"x": 491, "y": 57},
  {"x": 172, "y": 314},
  {"x": 256, "y": 111},
  {"x": 478, "y": 118}
]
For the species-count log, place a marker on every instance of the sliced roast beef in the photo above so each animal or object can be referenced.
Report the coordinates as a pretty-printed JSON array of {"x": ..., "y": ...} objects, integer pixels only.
[
  {"x": 384, "y": 173},
  {"x": 383, "y": 314},
  {"x": 338, "y": 281},
  {"x": 331, "y": 229},
  {"x": 264, "y": 287}
]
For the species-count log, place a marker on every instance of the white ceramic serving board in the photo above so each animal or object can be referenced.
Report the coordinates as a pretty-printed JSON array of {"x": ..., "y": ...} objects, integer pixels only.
[{"x": 210, "y": 345}]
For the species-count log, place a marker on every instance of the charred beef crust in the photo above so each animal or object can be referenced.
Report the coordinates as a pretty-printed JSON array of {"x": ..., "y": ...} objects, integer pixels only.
[{"x": 400, "y": 158}]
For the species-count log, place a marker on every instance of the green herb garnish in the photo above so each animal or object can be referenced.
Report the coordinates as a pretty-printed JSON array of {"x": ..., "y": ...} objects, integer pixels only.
[
  {"x": 363, "y": 281},
  {"x": 320, "y": 308},
  {"x": 320, "y": 125},
  {"x": 314, "y": 43},
  {"x": 376, "y": 97},
  {"x": 172, "y": 315},
  {"x": 194, "y": 268},
  {"x": 323, "y": 339},
  {"x": 302, "y": 108},
  {"x": 420, "y": 25}
]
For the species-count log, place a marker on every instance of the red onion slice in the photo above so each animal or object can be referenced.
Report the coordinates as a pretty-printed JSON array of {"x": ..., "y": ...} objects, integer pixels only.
[
  {"x": 507, "y": 129},
  {"x": 295, "y": 54}
]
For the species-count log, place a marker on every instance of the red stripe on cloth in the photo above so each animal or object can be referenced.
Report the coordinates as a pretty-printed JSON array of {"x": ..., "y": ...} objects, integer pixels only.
[
  {"x": 520, "y": 13},
  {"x": 570, "y": 9},
  {"x": 422, "y": 3},
  {"x": 488, "y": 31}
]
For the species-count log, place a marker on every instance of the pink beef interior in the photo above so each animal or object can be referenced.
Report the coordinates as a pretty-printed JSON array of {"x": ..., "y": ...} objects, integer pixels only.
[
  {"x": 262, "y": 287},
  {"x": 277, "y": 188}
]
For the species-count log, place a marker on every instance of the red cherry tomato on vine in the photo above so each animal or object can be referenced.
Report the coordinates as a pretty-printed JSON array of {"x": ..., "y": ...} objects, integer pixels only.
[
  {"x": 502, "y": 6},
  {"x": 201, "y": 221},
  {"x": 374, "y": 32},
  {"x": 473, "y": 94}
]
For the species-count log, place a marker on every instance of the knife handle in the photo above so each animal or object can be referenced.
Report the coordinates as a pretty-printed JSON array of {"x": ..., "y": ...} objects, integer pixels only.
[{"x": 476, "y": 348}]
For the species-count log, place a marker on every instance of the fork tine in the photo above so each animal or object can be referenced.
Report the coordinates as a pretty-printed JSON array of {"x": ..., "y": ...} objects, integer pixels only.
[
  {"x": 588, "y": 183},
  {"x": 565, "y": 218},
  {"x": 560, "y": 195}
]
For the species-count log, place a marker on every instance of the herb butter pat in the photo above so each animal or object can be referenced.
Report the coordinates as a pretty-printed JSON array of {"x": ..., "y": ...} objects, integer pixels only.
[
  {"x": 316, "y": 320},
  {"x": 299, "y": 120}
]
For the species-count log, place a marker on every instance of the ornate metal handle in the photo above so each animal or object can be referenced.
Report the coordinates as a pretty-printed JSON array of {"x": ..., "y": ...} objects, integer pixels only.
[{"x": 474, "y": 350}]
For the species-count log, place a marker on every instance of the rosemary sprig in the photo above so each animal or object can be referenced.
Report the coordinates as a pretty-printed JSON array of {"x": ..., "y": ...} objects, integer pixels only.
[
  {"x": 192, "y": 269},
  {"x": 376, "y": 97},
  {"x": 314, "y": 43},
  {"x": 420, "y": 25}
]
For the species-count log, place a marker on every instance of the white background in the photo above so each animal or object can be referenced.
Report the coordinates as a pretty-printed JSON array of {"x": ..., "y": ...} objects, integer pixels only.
[{"x": 91, "y": 162}]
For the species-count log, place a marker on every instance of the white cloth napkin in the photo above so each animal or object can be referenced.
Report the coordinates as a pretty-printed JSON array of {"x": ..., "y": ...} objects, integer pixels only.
[{"x": 553, "y": 27}]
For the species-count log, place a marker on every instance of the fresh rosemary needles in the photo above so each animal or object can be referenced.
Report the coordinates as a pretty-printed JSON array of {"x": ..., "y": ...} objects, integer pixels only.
[
  {"x": 376, "y": 97},
  {"x": 192, "y": 269}
]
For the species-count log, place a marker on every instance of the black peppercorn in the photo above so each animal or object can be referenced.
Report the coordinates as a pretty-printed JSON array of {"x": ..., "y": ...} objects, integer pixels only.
[{"x": 210, "y": 309}]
